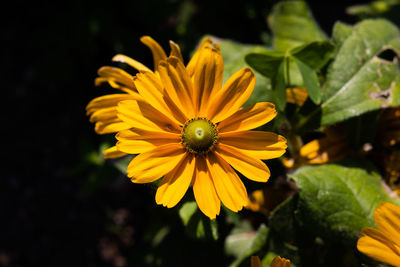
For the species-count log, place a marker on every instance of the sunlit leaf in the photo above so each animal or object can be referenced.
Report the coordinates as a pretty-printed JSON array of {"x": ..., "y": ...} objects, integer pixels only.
[
  {"x": 292, "y": 25},
  {"x": 337, "y": 200}
]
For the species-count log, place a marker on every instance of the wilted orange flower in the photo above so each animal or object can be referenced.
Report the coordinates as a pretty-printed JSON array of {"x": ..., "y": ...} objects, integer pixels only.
[
  {"x": 296, "y": 95},
  {"x": 330, "y": 148},
  {"x": 103, "y": 110},
  {"x": 383, "y": 244},
  {"x": 191, "y": 130},
  {"x": 276, "y": 262}
]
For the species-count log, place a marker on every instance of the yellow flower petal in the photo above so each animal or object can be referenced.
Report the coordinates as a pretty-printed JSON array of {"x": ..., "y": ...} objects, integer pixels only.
[
  {"x": 175, "y": 184},
  {"x": 135, "y": 141},
  {"x": 387, "y": 218},
  {"x": 248, "y": 118},
  {"x": 375, "y": 245},
  {"x": 143, "y": 116},
  {"x": 156, "y": 50},
  {"x": 191, "y": 66},
  {"x": 255, "y": 261},
  {"x": 175, "y": 51},
  {"x": 204, "y": 190},
  {"x": 229, "y": 187},
  {"x": 207, "y": 79},
  {"x": 254, "y": 169},
  {"x": 151, "y": 89},
  {"x": 154, "y": 164},
  {"x": 113, "y": 153},
  {"x": 177, "y": 84},
  {"x": 108, "y": 101},
  {"x": 110, "y": 126},
  {"x": 117, "y": 78},
  {"x": 232, "y": 96},
  {"x": 280, "y": 262},
  {"x": 131, "y": 62},
  {"x": 261, "y": 145}
]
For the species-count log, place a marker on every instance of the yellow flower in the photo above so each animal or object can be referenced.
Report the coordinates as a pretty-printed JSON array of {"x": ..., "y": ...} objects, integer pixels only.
[
  {"x": 191, "y": 130},
  {"x": 276, "y": 262},
  {"x": 383, "y": 244},
  {"x": 103, "y": 110}
]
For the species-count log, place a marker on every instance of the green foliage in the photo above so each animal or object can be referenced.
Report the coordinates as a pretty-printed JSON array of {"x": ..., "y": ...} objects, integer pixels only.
[
  {"x": 292, "y": 25},
  {"x": 197, "y": 225},
  {"x": 234, "y": 54},
  {"x": 278, "y": 67},
  {"x": 337, "y": 200},
  {"x": 243, "y": 244},
  {"x": 358, "y": 80}
]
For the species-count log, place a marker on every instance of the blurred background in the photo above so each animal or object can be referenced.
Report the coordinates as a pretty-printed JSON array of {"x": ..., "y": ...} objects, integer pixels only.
[{"x": 61, "y": 204}]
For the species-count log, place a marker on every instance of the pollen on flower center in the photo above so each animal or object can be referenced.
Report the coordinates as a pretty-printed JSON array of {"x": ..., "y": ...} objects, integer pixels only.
[{"x": 199, "y": 135}]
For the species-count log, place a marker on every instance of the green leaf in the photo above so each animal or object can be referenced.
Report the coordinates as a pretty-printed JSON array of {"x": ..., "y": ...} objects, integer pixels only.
[
  {"x": 245, "y": 244},
  {"x": 358, "y": 80},
  {"x": 197, "y": 225},
  {"x": 279, "y": 86},
  {"x": 375, "y": 86},
  {"x": 234, "y": 54},
  {"x": 292, "y": 24},
  {"x": 340, "y": 33},
  {"x": 366, "y": 40},
  {"x": 310, "y": 80},
  {"x": 266, "y": 63},
  {"x": 315, "y": 54},
  {"x": 337, "y": 200}
]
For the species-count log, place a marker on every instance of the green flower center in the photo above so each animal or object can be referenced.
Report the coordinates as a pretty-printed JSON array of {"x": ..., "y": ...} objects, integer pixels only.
[{"x": 199, "y": 135}]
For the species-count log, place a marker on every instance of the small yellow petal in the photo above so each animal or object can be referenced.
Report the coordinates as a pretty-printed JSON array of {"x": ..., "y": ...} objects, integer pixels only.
[
  {"x": 110, "y": 126},
  {"x": 175, "y": 184},
  {"x": 108, "y": 101},
  {"x": 191, "y": 66},
  {"x": 156, "y": 50},
  {"x": 248, "y": 118},
  {"x": 229, "y": 187},
  {"x": 252, "y": 168},
  {"x": 175, "y": 51},
  {"x": 207, "y": 79},
  {"x": 131, "y": 62},
  {"x": 232, "y": 96},
  {"x": 204, "y": 190},
  {"x": 154, "y": 164},
  {"x": 117, "y": 78},
  {"x": 296, "y": 95},
  {"x": 113, "y": 153},
  {"x": 259, "y": 144}
]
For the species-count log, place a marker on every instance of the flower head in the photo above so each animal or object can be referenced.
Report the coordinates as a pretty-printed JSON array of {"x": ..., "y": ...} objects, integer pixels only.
[
  {"x": 383, "y": 244},
  {"x": 103, "y": 110},
  {"x": 189, "y": 129}
]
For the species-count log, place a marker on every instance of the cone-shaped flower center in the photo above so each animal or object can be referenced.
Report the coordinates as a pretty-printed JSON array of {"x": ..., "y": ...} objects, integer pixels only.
[{"x": 199, "y": 135}]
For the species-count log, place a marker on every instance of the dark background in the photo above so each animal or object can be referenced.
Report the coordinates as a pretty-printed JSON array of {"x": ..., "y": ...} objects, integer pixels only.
[{"x": 60, "y": 203}]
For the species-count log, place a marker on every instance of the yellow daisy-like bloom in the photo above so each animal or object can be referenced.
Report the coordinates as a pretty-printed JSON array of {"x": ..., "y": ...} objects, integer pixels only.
[
  {"x": 383, "y": 244},
  {"x": 103, "y": 110},
  {"x": 191, "y": 130},
  {"x": 276, "y": 262}
]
